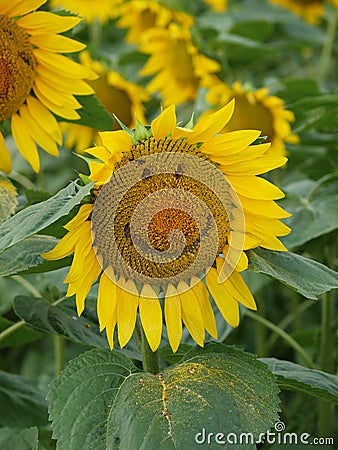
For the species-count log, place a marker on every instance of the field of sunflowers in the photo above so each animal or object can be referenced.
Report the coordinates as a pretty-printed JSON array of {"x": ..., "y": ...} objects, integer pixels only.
[{"x": 168, "y": 224}]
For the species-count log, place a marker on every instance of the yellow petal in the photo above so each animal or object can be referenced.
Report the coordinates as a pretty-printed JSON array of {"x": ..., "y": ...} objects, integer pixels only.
[
  {"x": 240, "y": 291},
  {"x": 265, "y": 208},
  {"x": 64, "y": 84},
  {"x": 128, "y": 301},
  {"x": 107, "y": 302},
  {"x": 164, "y": 123},
  {"x": 71, "y": 69},
  {"x": 257, "y": 166},
  {"x": 81, "y": 252},
  {"x": 42, "y": 21},
  {"x": 43, "y": 116},
  {"x": 38, "y": 133},
  {"x": 81, "y": 216},
  {"x": 242, "y": 263},
  {"x": 229, "y": 143},
  {"x": 255, "y": 187},
  {"x": 62, "y": 111},
  {"x": 227, "y": 305},
  {"x": 67, "y": 243},
  {"x": 206, "y": 128},
  {"x": 99, "y": 152},
  {"x": 56, "y": 43},
  {"x": 5, "y": 156},
  {"x": 91, "y": 272},
  {"x": 25, "y": 142},
  {"x": 19, "y": 8},
  {"x": 202, "y": 294},
  {"x": 151, "y": 316},
  {"x": 116, "y": 141},
  {"x": 54, "y": 95},
  {"x": 191, "y": 313},
  {"x": 172, "y": 314}
]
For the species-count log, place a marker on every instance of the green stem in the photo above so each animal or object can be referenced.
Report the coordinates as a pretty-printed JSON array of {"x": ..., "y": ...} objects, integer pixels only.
[
  {"x": 26, "y": 284},
  {"x": 149, "y": 358},
  {"x": 326, "y": 53},
  {"x": 95, "y": 34},
  {"x": 325, "y": 422},
  {"x": 287, "y": 338},
  {"x": 59, "y": 353},
  {"x": 260, "y": 333},
  {"x": 8, "y": 331}
]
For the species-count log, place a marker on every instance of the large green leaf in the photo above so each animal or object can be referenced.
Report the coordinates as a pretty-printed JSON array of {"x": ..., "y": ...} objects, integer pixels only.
[
  {"x": 314, "y": 209},
  {"x": 92, "y": 114},
  {"x": 313, "y": 382},
  {"x": 22, "y": 404},
  {"x": 25, "y": 254},
  {"x": 60, "y": 319},
  {"x": 37, "y": 217},
  {"x": 14, "y": 439},
  {"x": 217, "y": 390},
  {"x": 100, "y": 403},
  {"x": 308, "y": 277},
  {"x": 81, "y": 399}
]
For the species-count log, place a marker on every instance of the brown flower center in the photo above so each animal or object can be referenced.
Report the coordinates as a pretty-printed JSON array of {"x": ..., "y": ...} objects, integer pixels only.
[{"x": 17, "y": 67}]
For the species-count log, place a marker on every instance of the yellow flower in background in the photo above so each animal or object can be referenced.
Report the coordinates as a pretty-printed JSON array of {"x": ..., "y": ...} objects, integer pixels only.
[
  {"x": 90, "y": 10},
  {"x": 35, "y": 79},
  {"x": 257, "y": 110},
  {"x": 172, "y": 205},
  {"x": 310, "y": 10},
  {"x": 178, "y": 67},
  {"x": 139, "y": 16},
  {"x": 117, "y": 95},
  {"x": 217, "y": 5}
]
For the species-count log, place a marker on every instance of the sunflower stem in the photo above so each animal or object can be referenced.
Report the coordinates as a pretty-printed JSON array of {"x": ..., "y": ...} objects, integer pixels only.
[
  {"x": 8, "y": 331},
  {"x": 149, "y": 358},
  {"x": 287, "y": 338},
  {"x": 326, "y": 53},
  {"x": 26, "y": 284},
  {"x": 95, "y": 34}
]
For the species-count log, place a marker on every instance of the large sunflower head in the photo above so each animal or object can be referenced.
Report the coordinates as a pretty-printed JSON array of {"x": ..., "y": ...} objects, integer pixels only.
[
  {"x": 117, "y": 95},
  {"x": 35, "y": 79},
  {"x": 90, "y": 10},
  {"x": 138, "y": 16},
  {"x": 175, "y": 61},
  {"x": 258, "y": 110},
  {"x": 310, "y": 10},
  {"x": 174, "y": 211}
]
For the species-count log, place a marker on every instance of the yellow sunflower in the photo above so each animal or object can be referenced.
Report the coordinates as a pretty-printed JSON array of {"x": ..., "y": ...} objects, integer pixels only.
[
  {"x": 35, "y": 79},
  {"x": 179, "y": 67},
  {"x": 171, "y": 207},
  {"x": 119, "y": 96},
  {"x": 217, "y": 5},
  {"x": 139, "y": 16},
  {"x": 90, "y": 10},
  {"x": 257, "y": 110},
  {"x": 310, "y": 10}
]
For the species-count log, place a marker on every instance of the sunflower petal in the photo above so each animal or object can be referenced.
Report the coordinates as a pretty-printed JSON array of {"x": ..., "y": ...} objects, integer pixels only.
[
  {"x": 202, "y": 295},
  {"x": 25, "y": 142},
  {"x": 5, "y": 156},
  {"x": 56, "y": 43},
  {"x": 106, "y": 302},
  {"x": 164, "y": 123},
  {"x": 191, "y": 313},
  {"x": 81, "y": 216},
  {"x": 151, "y": 316},
  {"x": 172, "y": 314},
  {"x": 128, "y": 301},
  {"x": 41, "y": 21}
]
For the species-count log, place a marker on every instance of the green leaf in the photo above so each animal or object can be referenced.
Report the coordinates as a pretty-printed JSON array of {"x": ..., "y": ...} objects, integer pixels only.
[
  {"x": 14, "y": 439},
  {"x": 25, "y": 254},
  {"x": 37, "y": 217},
  {"x": 60, "y": 319},
  {"x": 308, "y": 277},
  {"x": 22, "y": 404},
  {"x": 93, "y": 114},
  {"x": 22, "y": 336},
  {"x": 8, "y": 199},
  {"x": 81, "y": 399},
  {"x": 314, "y": 211},
  {"x": 219, "y": 389},
  {"x": 168, "y": 355},
  {"x": 294, "y": 377}
]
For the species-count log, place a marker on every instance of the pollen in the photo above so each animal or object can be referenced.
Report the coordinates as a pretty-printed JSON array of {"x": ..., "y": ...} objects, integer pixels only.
[{"x": 17, "y": 67}]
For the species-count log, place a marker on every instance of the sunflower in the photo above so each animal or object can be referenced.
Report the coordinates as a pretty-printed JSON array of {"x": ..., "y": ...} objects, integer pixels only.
[
  {"x": 89, "y": 10},
  {"x": 139, "y": 16},
  {"x": 257, "y": 110},
  {"x": 179, "y": 67},
  {"x": 217, "y": 5},
  {"x": 35, "y": 80},
  {"x": 171, "y": 207},
  {"x": 310, "y": 10},
  {"x": 118, "y": 95}
]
